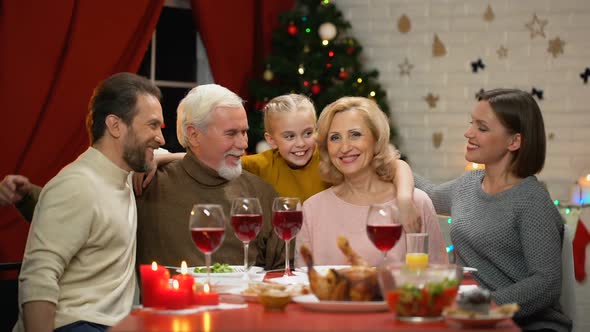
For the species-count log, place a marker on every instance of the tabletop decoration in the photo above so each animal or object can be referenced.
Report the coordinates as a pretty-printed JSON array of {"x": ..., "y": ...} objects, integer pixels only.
[
  {"x": 154, "y": 280},
  {"x": 174, "y": 297},
  {"x": 185, "y": 281},
  {"x": 205, "y": 296}
]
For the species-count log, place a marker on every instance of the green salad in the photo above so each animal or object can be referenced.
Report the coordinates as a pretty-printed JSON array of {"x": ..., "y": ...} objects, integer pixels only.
[{"x": 216, "y": 268}]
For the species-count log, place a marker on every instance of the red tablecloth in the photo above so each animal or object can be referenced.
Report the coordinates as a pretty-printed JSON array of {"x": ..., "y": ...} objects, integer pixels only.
[{"x": 294, "y": 318}]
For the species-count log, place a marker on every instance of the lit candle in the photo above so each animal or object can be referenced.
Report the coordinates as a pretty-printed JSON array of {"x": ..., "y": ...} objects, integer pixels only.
[
  {"x": 206, "y": 297},
  {"x": 174, "y": 297},
  {"x": 185, "y": 281},
  {"x": 154, "y": 279}
]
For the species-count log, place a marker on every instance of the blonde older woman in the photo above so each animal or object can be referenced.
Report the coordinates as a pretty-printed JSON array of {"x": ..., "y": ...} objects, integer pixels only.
[{"x": 353, "y": 140}]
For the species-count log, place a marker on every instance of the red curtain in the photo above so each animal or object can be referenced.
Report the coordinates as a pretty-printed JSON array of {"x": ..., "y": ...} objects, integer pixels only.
[
  {"x": 237, "y": 36},
  {"x": 53, "y": 54}
]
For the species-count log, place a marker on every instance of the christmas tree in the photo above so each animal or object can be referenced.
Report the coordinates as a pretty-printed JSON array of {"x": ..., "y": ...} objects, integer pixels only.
[{"x": 313, "y": 55}]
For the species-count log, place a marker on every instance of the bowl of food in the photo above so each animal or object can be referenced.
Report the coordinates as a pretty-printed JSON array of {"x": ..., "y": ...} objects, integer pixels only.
[
  {"x": 274, "y": 299},
  {"x": 419, "y": 295}
]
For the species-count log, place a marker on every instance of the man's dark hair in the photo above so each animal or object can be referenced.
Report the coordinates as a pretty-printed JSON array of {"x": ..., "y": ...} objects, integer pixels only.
[{"x": 116, "y": 95}]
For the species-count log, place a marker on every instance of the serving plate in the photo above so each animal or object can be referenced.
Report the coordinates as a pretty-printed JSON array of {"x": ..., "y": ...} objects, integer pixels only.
[
  {"x": 237, "y": 273},
  {"x": 311, "y": 302},
  {"x": 490, "y": 319}
]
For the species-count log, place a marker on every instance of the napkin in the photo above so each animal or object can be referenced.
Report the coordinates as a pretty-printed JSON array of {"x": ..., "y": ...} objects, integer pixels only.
[
  {"x": 194, "y": 310},
  {"x": 297, "y": 278}
]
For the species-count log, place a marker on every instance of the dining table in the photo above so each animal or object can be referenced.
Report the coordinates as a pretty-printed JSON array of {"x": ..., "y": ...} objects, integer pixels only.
[{"x": 295, "y": 317}]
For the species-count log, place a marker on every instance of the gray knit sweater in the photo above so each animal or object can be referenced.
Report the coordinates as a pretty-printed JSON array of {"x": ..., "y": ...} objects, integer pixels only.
[{"x": 514, "y": 240}]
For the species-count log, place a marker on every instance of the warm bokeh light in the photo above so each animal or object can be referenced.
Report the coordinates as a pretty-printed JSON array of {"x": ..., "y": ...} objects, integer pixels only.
[{"x": 474, "y": 166}]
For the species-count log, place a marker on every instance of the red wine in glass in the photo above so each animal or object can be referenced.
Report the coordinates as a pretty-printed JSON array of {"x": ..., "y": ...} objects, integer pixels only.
[
  {"x": 384, "y": 237},
  {"x": 287, "y": 223},
  {"x": 207, "y": 239},
  {"x": 246, "y": 226},
  {"x": 383, "y": 226},
  {"x": 287, "y": 218}
]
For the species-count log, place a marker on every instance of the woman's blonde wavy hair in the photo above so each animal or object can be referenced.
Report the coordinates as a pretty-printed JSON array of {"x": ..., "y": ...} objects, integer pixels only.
[{"x": 378, "y": 123}]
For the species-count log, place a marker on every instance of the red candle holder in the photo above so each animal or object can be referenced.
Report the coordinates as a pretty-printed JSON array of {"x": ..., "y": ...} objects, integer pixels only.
[
  {"x": 206, "y": 297},
  {"x": 154, "y": 280}
]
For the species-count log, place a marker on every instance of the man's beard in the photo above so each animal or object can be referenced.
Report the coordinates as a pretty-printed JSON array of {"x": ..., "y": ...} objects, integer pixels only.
[
  {"x": 134, "y": 154},
  {"x": 230, "y": 172}
]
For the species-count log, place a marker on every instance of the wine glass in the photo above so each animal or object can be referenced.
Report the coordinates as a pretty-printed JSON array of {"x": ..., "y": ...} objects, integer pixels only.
[
  {"x": 383, "y": 226},
  {"x": 287, "y": 218},
  {"x": 207, "y": 226},
  {"x": 246, "y": 219}
]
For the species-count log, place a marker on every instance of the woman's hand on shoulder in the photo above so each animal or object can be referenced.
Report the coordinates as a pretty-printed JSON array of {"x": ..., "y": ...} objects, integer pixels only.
[{"x": 409, "y": 216}]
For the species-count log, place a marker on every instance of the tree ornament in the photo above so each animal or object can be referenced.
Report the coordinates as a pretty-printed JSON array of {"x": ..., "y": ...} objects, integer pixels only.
[
  {"x": 431, "y": 100},
  {"x": 403, "y": 24},
  {"x": 437, "y": 139},
  {"x": 316, "y": 88},
  {"x": 556, "y": 47},
  {"x": 268, "y": 75},
  {"x": 306, "y": 49},
  {"x": 537, "y": 93},
  {"x": 489, "y": 14},
  {"x": 350, "y": 50},
  {"x": 343, "y": 74},
  {"x": 438, "y": 48},
  {"x": 327, "y": 31},
  {"x": 292, "y": 29},
  {"x": 477, "y": 65},
  {"x": 536, "y": 26}
]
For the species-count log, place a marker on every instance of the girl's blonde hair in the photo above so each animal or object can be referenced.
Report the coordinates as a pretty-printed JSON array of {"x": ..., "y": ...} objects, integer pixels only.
[
  {"x": 287, "y": 103},
  {"x": 378, "y": 123}
]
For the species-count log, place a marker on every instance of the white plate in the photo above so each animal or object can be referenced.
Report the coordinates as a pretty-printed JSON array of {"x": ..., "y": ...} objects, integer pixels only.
[
  {"x": 479, "y": 320},
  {"x": 238, "y": 272},
  {"x": 311, "y": 302}
]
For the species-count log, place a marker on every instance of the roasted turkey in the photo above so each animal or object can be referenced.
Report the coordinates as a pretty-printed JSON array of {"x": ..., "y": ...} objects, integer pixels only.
[{"x": 355, "y": 283}]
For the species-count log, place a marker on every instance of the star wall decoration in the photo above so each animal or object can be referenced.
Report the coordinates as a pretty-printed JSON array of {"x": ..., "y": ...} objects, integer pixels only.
[
  {"x": 585, "y": 75},
  {"x": 556, "y": 47},
  {"x": 477, "y": 65},
  {"x": 502, "y": 52},
  {"x": 405, "y": 67},
  {"x": 537, "y": 93},
  {"x": 431, "y": 100},
  {"x": 537, "y": 26}
]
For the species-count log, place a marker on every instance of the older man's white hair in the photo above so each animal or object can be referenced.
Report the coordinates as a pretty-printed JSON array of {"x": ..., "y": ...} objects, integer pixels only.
[{"x": 196, "y": 107}]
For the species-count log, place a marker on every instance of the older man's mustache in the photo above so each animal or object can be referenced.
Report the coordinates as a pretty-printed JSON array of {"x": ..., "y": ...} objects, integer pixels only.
[{"x": 235, "y": 153}]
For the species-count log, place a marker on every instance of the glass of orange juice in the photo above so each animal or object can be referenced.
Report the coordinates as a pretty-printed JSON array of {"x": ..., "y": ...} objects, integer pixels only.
[{"x": 417, "y": 250}]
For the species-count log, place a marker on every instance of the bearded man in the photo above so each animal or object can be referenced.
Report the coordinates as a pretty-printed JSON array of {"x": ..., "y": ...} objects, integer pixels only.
[
  {"x": 78, "y": 271},
  {"x": 212, "y": 126}
]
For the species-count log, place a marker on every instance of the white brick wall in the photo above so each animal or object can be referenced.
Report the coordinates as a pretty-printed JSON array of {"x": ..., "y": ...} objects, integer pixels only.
[{"x": 467, "y": 37}]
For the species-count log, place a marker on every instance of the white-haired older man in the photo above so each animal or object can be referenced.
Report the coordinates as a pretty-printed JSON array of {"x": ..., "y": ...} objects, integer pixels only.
[{"x": 212, "y": 126}]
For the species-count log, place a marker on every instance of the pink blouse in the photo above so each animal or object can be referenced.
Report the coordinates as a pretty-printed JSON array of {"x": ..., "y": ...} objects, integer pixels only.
[{"x": 326, "y": 216}]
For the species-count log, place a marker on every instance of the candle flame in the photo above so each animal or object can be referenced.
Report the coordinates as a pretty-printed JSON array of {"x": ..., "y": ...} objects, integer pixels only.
[
  {"x": 154, "y": 266},
  {"x": 183, "y": 268},
  {"x": 206, "y": 288},
  {"x": 175, "y": 284}
]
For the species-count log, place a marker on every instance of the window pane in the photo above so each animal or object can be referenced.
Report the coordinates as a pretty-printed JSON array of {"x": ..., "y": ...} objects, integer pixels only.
[
  {"x": 171, "y": 98},
  {"x": 176, "y": 54},
  {"x": 144, "y": 68}
]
